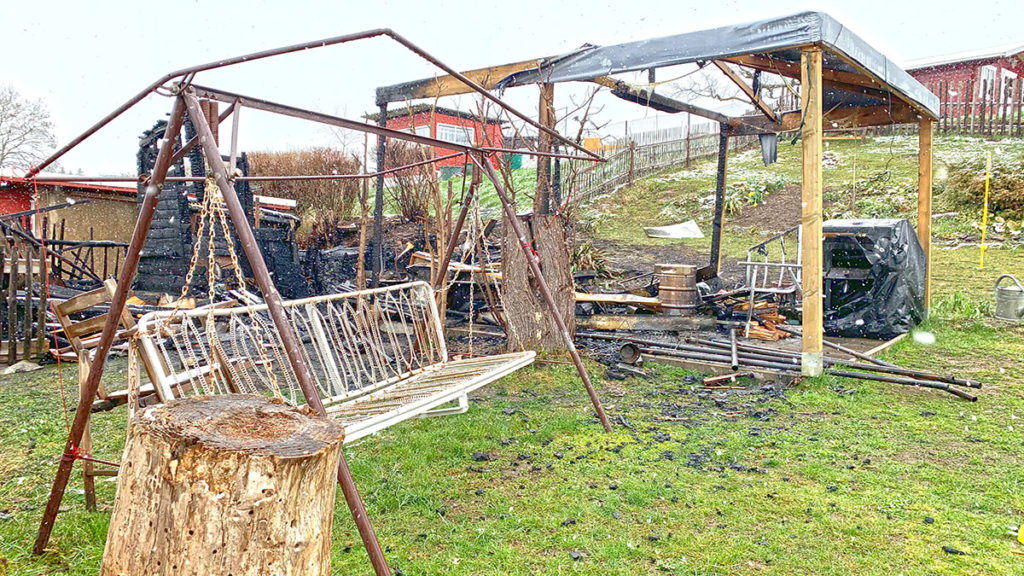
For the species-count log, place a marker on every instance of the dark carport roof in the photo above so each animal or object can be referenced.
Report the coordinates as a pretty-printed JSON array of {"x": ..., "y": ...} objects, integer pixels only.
[
  {"x": 780, "y": 39},
  {"x": 854, "y": 74}
]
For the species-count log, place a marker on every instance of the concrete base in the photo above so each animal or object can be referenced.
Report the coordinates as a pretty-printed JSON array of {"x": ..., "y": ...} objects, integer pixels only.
[{"x": 811, "y": 363}]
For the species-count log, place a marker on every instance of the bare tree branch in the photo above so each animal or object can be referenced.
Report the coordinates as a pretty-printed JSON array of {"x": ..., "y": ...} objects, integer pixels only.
[{"x": 26, "y": 132}]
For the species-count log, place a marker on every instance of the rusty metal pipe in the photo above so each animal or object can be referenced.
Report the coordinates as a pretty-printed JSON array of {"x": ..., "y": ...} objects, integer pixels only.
[
  {"x": 192, "y": 70},
  {"x": 531, "y": 258},
  {"x": 293, "y": 347},
  {"x": 735, "y": 355},
  {"x": 110, "y": 326}
]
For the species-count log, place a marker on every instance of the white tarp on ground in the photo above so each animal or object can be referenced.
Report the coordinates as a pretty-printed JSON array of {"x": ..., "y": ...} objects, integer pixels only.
[{"x": 688, "y": 229}]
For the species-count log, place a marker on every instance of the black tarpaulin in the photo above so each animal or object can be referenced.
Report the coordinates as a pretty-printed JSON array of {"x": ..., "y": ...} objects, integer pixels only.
[
  {"x": 874, "y": 274},
  {"x": 780, "y": 38}
]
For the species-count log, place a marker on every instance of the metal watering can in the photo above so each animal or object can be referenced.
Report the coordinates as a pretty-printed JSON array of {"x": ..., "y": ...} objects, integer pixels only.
[{"x": 1009, "y": 300}]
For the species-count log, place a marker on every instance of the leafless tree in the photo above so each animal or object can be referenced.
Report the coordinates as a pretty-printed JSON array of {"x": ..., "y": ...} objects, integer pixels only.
[
  {"x": 710, "y": 82},
  {"x": 26, "y": 132}
]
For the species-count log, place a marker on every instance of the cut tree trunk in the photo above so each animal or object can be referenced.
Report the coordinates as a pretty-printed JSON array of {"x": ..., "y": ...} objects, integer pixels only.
[
  {"x": 231, "y": 484},
  {"x": 530, "y": 324}
]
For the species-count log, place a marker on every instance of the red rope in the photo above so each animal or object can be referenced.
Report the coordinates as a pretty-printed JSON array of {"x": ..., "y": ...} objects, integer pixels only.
[{"x": 46, "y": 283}]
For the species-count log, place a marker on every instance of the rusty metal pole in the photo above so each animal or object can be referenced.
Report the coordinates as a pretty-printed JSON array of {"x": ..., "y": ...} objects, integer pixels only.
[
  {"x": 110, "y": 327},
  {"x": 293, "y": 347},
  {"x": 542, "y": 285}
]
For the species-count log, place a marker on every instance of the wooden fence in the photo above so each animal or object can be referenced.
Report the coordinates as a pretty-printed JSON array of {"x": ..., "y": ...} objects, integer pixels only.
[
  {"x": 641, "y": 155},
  {"x": 969, "y": 107},
  {"x": 986, "y": 107},
  {"x": 23, "y": 304}
]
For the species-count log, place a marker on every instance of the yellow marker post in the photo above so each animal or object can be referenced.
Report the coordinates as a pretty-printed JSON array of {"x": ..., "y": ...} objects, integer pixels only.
[{"x": 984, "y": 213}]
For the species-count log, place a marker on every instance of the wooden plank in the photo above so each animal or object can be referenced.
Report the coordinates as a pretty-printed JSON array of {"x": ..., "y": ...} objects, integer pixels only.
[
  {"x": 754, "y": 97},
  {"x": 12, "y": 305},
  {"x": 1016, "y": 118},
  {"x": 837, "y": 119},
  {"x": 810, "y": 219},
  {"x": 926, "y": 131},
  {"x": 447, "y": 85},
  {"x": 659, "y": 322},
  {"x": 85, "y": 327},
  {"x": 633, "y": 299},
  {"x": 27, "y": 316},
  {"x": 1002, "y": 106},
  {"x": 884, "y": 346},
  {"x": 84, "y": 301},
  {"x": 41, "y": 342}
]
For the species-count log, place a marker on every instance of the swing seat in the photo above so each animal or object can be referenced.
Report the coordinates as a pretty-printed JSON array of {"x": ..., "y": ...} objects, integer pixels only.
[{"x": 377, "y": 357}]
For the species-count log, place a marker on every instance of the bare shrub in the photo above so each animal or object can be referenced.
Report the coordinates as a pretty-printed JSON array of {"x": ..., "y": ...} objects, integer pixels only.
[
  {"x": 410, "y": 190},
  {"x": 322, "y": 204}
]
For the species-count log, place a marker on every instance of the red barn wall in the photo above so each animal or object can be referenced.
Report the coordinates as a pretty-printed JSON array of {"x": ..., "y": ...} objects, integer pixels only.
[{"x": 967, "y": 71}]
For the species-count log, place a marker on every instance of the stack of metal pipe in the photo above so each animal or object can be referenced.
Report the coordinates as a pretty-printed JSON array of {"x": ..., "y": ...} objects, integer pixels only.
[{"x": 741, "y": 356}]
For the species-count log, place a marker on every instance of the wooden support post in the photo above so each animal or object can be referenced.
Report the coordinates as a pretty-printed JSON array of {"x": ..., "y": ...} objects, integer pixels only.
[
  {"x": 546, "y": 118},
  {"x": 810, "y": 219},
  {"x": 376, "y": 244},
  {"x": 719, "y": 218},
  {"x": 924, "y": 203}
]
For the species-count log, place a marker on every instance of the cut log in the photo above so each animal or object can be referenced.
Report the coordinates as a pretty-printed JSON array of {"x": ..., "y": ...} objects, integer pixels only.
[{"x": 230, "y": 484}]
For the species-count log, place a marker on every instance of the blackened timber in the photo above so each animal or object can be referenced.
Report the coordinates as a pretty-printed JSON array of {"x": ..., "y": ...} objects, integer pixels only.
[
  {"x": 378, "y": 203},
  {"x": 657, "y": 101},
  {"x": 718, "y": 223}
]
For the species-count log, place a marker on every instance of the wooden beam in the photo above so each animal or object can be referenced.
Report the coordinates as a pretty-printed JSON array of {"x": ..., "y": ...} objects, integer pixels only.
[
  {"x": 810, "y": 220},
  {"x": 848, "y": 81},
  {"x": 718, "y": 222},
  {"x": 449, "y": 85},
  {"x": 546, "y": 118},
  {"x": 754, "y": 96},
  {"x": 656, "y": 322},
  {"x": 924, "y": 203},
  {"x": 657, "y": 101},
  {"x": 835, "y": 119}
]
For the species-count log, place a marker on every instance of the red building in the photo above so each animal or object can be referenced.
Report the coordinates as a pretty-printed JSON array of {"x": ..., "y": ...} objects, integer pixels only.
[
  {"x": 967, "y": 72},
  {"x": 94, "y": 210},
  {"x": 445, "y": 124}
]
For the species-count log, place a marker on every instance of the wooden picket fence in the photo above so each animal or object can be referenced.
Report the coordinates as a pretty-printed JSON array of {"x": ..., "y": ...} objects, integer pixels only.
[
  {"x": 984, "y": 108},
  {"x": 641, "y": 155}
]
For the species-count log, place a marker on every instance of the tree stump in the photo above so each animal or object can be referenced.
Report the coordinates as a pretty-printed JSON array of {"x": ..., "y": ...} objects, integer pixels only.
[
  {"x": 227, "y": 485},
  {"x": 530, "y": 324}
]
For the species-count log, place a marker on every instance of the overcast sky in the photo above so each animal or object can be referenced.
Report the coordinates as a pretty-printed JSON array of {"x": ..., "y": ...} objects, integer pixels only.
[{"x": 86, "y": 58}]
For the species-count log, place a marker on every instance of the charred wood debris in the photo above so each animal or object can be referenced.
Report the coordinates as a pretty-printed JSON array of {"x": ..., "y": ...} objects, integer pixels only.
[{"x": 666, "y": 315}]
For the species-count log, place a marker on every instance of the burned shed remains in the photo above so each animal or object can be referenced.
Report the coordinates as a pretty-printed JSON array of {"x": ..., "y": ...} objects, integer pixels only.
[
  {"x": 874, "y": 274},
  {"x": 166, "y": 256},
  {"x": 844, "y": 83}
]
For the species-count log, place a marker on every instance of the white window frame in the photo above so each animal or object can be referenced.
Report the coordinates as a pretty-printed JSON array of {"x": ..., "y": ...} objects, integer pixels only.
[
  {"x": 420, "y": 130},
  {"x": 456, "y": 134}
]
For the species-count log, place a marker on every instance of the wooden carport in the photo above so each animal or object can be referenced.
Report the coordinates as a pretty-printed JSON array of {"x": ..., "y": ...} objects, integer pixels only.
[{"x": 844, "y": 83}]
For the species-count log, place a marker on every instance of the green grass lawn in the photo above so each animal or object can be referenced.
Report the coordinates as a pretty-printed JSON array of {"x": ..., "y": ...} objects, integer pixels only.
[{"x": 831, "y": 477}]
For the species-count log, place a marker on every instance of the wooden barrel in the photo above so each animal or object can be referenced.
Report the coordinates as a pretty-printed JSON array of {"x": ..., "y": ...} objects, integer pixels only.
[{"x": 677, "y": 288}]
